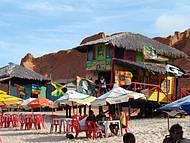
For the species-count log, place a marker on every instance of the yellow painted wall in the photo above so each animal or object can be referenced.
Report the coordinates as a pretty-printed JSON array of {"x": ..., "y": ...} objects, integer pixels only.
[{"x": 153, "y": 96}]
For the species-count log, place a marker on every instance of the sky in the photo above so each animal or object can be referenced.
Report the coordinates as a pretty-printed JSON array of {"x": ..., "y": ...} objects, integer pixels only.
[{"x": 41, "y": 27}]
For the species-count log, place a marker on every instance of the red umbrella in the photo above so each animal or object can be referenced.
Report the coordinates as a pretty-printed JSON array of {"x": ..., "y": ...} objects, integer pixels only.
[{"x": 40, "y": 102}]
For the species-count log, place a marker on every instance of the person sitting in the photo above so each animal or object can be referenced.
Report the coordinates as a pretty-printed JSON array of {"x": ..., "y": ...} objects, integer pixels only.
[
  {"x": 91, "y": 116},
  {"x": 114, "y": 127},
  {"x": 99, "y": 118},
  {"x": 128, "y": 138},
  {"x": 175, "y": 135}
]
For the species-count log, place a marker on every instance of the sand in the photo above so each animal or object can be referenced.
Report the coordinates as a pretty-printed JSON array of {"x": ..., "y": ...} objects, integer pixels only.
[{"x": 145, "y": 130}]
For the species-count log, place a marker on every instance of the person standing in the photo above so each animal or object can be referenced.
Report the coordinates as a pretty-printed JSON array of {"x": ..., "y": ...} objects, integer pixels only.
[{"x": 103, "y": 85}]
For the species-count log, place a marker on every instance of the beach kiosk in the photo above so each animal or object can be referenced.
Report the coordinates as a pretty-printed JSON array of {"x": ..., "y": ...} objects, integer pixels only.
[
  {"x": 133, "y": 61},
  {"x": 22, "y": 82}
]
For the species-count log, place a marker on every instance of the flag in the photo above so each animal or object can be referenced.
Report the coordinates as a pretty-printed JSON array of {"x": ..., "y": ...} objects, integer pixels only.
[
  {"x": 85, "y": 86},
  {"x": 149, "y": 52},
  {"x": 36, "y": 89},
  {"x": 123, "y": 77},
  {"x": 174, "y": 70},
  {"x": 20, "y": 90},
  {"x": 59, "y": 89}
]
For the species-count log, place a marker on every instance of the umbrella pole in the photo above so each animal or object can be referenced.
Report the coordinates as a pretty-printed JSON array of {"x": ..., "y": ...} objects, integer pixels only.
[{"x": 168, "y": 119}]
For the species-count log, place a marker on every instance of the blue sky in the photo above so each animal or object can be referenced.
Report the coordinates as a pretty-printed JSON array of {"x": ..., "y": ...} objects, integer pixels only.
[{"x": 45, "y": 26}]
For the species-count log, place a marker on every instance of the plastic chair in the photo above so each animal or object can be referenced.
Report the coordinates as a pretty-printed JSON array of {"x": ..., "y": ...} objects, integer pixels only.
[
  {"x": 1, "y": 120},
  {"x": 22, "y": 121},
  {"x": 54, "y": 124},
  {"x": 7, "y": 120},
  {"x": 28, "y": 121},
  {"x": 14, "y": 119},
  {"x": 92, "y": 130},
  {"x": 43, "y": 116},
  {"x": 77, "y": 117},
  {"x": 37, "y": 121},
  {"x": 75, "y": 126}
]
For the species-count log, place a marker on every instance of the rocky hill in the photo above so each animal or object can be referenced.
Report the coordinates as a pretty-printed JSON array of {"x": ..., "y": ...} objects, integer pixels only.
[
  {"x": 180, "y": 41},
  {"x": 63, "y": 65}
]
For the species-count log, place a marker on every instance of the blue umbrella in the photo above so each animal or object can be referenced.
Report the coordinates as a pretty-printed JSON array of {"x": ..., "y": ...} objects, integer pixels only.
[{"x": 180, "y": 105}]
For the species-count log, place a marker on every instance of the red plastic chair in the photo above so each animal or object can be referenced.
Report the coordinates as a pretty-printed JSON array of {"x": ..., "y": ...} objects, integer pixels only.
[
  {"x": 7, "y": 120},
  {"x": 93, "y": 131},
  {"x": 75, "y": 125},
  {"x": 14, "y": 119},
  {"x": 54, "y": 124},
  {"x": 22, "y": 121},
  {"x": 28, "y": 121},
  {"x": 43, "y": 121},
  {"x": 76, "y": 117},
  {"x": 1, "y": 120},
  {"x": 37, "y": 121}
]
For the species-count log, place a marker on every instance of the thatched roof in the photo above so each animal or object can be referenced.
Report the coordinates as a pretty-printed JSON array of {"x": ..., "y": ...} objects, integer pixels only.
[
  {"x": 157, "y": 68},
  {"x": 136, "y": 42},
  {"x": 13, "y": 70}
]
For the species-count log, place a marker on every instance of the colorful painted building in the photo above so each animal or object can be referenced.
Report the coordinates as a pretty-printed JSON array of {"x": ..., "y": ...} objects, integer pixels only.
[
  {"x": 21, "y": 82},
  {"x": 133, "y": 61}
]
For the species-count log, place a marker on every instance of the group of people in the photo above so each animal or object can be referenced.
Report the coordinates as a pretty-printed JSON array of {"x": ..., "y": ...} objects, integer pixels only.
[
  {"x": 175, "y": 136},
  {"x": 114, "y": 127}
]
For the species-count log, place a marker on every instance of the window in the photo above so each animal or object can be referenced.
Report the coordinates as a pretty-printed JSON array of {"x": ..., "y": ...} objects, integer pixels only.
[
  {"x": 130, "y": 55},
  {"x": 109, "y": 52},
  {"x": 119, "y": 53},
  {"x": 90, "y": 54}
]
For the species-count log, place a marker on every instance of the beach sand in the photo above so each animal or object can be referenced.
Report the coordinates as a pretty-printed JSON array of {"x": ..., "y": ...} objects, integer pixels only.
[{"x": 145, "y": 130}]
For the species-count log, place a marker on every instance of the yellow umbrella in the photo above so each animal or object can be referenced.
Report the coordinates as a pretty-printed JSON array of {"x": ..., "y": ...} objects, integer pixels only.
[
  {"x": 6, "y": 99},
  {"x": 9, "y": 100}
]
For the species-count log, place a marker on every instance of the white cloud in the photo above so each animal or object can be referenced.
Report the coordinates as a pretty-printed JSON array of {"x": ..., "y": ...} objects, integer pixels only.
[
  {"x": 45, "y": 7},
  {"x": 172, "y": 22}
]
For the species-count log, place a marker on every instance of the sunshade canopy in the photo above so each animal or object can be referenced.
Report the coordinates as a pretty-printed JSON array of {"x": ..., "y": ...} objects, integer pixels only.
[
  {"x": 117, "y": 95},
  {"x": 25, "y": 102},
  {"x": 40, "y": 102},
  {"x": 6, "y": 99},
  {"x": 177, "y": 106},
  {"x": 72, "y": 96}
]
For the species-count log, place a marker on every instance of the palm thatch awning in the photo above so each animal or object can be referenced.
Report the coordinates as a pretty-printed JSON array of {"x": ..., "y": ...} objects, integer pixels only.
[
  {"x": 136, "y": 42},
  {"x": 13, "y": 70},
  {"x": 156, "y": 68}
]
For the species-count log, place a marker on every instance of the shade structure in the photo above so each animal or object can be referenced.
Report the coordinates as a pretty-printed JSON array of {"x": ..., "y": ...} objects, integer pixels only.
[
  {"x": 117, "y": 95},
  {"x": 40, "y": 102},
  {"x": 72, "y": 96},
  {"x": 25, "y": 102},
  {"x": 178, "y": 106},
  {"x": 6, "y": 99}
]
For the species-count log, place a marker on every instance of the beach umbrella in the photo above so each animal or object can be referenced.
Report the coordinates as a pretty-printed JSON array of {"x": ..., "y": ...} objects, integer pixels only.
[
  {"x": 72, "y": 96},
  {"x": 6, "y": 99},
  {"x": 179, "y": 106},
  {"x": 40, "y": 102},
  {"x": 117, "y": 95},
  {"x": 25, "y": 102}
]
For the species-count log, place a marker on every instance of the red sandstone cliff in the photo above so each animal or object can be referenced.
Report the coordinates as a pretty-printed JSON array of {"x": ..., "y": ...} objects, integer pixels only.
[
  {"x": 181, "y": 41},
  {"x": 63, "y": 65}
]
